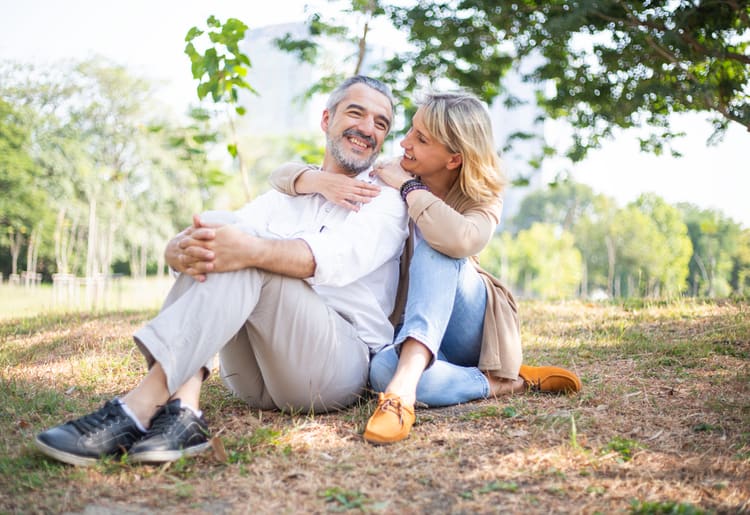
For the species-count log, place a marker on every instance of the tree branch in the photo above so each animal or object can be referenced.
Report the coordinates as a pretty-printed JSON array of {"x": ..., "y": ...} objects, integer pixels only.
[
  {"x": 634, "y": 22},
  {"x": 362, "y": 49}
]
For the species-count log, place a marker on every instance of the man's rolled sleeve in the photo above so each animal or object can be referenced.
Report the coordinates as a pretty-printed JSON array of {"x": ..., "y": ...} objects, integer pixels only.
[{"x": 328, "y": 260}]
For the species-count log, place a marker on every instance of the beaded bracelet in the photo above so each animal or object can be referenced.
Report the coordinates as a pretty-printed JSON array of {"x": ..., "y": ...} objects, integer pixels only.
[{"x": 411, "y": 185}]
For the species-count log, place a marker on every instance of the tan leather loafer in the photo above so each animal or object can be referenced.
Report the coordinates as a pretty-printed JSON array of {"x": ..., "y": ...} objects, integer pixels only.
[
  {"x": 550, "y": 379},
  {"x": 391, "y": 421}
]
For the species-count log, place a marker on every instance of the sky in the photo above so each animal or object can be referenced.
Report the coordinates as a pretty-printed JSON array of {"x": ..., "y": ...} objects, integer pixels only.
[{"x": 148, "y": 38}]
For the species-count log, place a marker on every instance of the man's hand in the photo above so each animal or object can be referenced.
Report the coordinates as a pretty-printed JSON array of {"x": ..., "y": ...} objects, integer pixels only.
[
  {"x": 223, "y": 249},
  {"x": 191, "y": 252},
  {"x": 343, "y": 191},
  {"x": 205, "y": 248}
]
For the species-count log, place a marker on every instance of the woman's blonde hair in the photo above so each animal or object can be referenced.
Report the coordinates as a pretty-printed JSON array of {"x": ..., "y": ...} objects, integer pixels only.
[{"x": 461, "y": 122}]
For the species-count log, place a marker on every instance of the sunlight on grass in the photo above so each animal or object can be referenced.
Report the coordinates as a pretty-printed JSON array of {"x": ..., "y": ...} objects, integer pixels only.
[{"x": 121, "y": 294}]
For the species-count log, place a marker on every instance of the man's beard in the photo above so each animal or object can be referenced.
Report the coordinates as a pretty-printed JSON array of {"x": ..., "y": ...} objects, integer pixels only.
[{"x": 345, "y": 159}]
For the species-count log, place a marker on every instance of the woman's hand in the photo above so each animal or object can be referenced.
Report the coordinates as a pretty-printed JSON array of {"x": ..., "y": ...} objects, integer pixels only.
[
  {"x": 337, "y": 188},
  {"x": 391, "y": 173}
]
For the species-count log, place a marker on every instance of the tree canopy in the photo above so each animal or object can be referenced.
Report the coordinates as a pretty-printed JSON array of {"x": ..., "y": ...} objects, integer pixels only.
[{"x": 599, "y": 64}]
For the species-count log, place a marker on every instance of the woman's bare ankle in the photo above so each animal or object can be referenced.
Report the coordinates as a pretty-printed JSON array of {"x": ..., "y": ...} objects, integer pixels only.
[{"x": 500, "y": 386}]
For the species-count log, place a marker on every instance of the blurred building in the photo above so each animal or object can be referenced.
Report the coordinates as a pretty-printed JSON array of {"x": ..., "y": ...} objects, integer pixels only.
[{"x": 280, "y": 81}]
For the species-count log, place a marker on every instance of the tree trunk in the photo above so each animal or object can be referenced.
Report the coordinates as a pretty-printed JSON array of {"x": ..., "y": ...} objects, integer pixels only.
[
  {"x": 584, "y": 289},
  {"x": 106, "y": 259},
  {"x": 133, "y": 261},
  {"x": 702, "y": 268},
  {"x": 16, "y": 241},
  {"x": 630, "y": 285},
  {"x": 62, "y": 239},
  {"x": 161, "y": 264},
  {"x": 32, "y": 252},
  {"x": 144, "y": 261},
  {"x": 91, "y": 264},
  {"x": 78, "y": 234},
  {"x": 611, "y": 257}
]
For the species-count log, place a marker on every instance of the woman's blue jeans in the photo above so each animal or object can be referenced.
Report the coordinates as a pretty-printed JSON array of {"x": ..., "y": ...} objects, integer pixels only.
[{"x": 445, "y": 312}]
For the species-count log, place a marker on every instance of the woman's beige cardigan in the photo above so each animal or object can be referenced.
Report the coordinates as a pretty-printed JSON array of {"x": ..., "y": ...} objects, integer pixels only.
[{"x": 457, "y": 227}]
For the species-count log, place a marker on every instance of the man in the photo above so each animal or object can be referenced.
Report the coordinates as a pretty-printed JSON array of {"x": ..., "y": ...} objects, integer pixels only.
[{"x": 294, "y": 294}]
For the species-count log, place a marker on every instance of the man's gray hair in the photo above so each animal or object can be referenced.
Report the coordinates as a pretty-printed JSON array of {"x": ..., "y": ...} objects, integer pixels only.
[{"x": 338, "y": 94}]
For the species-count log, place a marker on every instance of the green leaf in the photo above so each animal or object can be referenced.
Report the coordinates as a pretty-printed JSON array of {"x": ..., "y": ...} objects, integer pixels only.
[
  {"x": 211, "y": 61},
  {"x": 203, "y": 90},
  {"x": 193, "y": 33}
]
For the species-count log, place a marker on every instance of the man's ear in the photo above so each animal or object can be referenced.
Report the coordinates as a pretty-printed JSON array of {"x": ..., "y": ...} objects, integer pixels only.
[
  {"x": 454, "y": 162},
  {"x": 325, "y": 120}
]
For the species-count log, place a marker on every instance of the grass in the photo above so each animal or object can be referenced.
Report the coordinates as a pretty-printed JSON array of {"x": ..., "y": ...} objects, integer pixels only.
[{"x": 662, "y": 426}]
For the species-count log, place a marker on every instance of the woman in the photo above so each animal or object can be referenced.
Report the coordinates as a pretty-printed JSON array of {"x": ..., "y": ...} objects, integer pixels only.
[{"x": 459, "y": 337}]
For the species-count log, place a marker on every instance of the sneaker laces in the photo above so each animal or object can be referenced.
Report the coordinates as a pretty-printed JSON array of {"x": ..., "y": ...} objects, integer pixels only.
[
  {"x": 164, "y": 418},
  {"x": 393, "y": 405},
  {"x": 97, "y": 420}
]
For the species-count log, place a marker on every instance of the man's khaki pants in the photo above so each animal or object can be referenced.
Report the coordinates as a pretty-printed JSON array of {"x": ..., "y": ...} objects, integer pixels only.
[{"x": 280, "y": 346}]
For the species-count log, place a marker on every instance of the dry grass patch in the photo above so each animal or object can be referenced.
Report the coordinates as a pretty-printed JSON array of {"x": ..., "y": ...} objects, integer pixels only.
[{"x": 663, "y": 424}]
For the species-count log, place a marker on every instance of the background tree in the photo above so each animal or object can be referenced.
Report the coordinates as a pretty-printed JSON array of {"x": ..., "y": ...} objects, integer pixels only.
[
  {"x": 563, "y": 204},
  {"x": 495, "y": 257},
  {"x": 114, "y": 184},
  {"x": 42, "y": 97},
  {"x": 541, "y": 261},
  {"x": 612, "y": 63},
  {"x": 715, "y": 240},
  {"x": 640, "y": 255},
  {"x": 740, "y": 279},
  {"x": 23, "y": 202},
  {"x": 671, "y": 279},
  {"x": 573, "y": 207},
  {"x": 107, "y": 122},
  {"x": 593, "y": 236}
]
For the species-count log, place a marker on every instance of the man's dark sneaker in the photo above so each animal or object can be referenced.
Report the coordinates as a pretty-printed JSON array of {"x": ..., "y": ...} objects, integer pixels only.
[
  {"x": 175, "y": 432},
  {"x": 108, "y": 431}
]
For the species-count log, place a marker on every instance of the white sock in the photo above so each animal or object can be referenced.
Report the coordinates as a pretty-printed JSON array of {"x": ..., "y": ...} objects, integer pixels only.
[
  {"x": 132, "y": 416},
  {"x": 196, "y": 412}
]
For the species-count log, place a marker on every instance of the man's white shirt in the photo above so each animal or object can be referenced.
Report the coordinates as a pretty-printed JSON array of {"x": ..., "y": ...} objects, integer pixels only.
[{"x": 356, "y": 253}]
